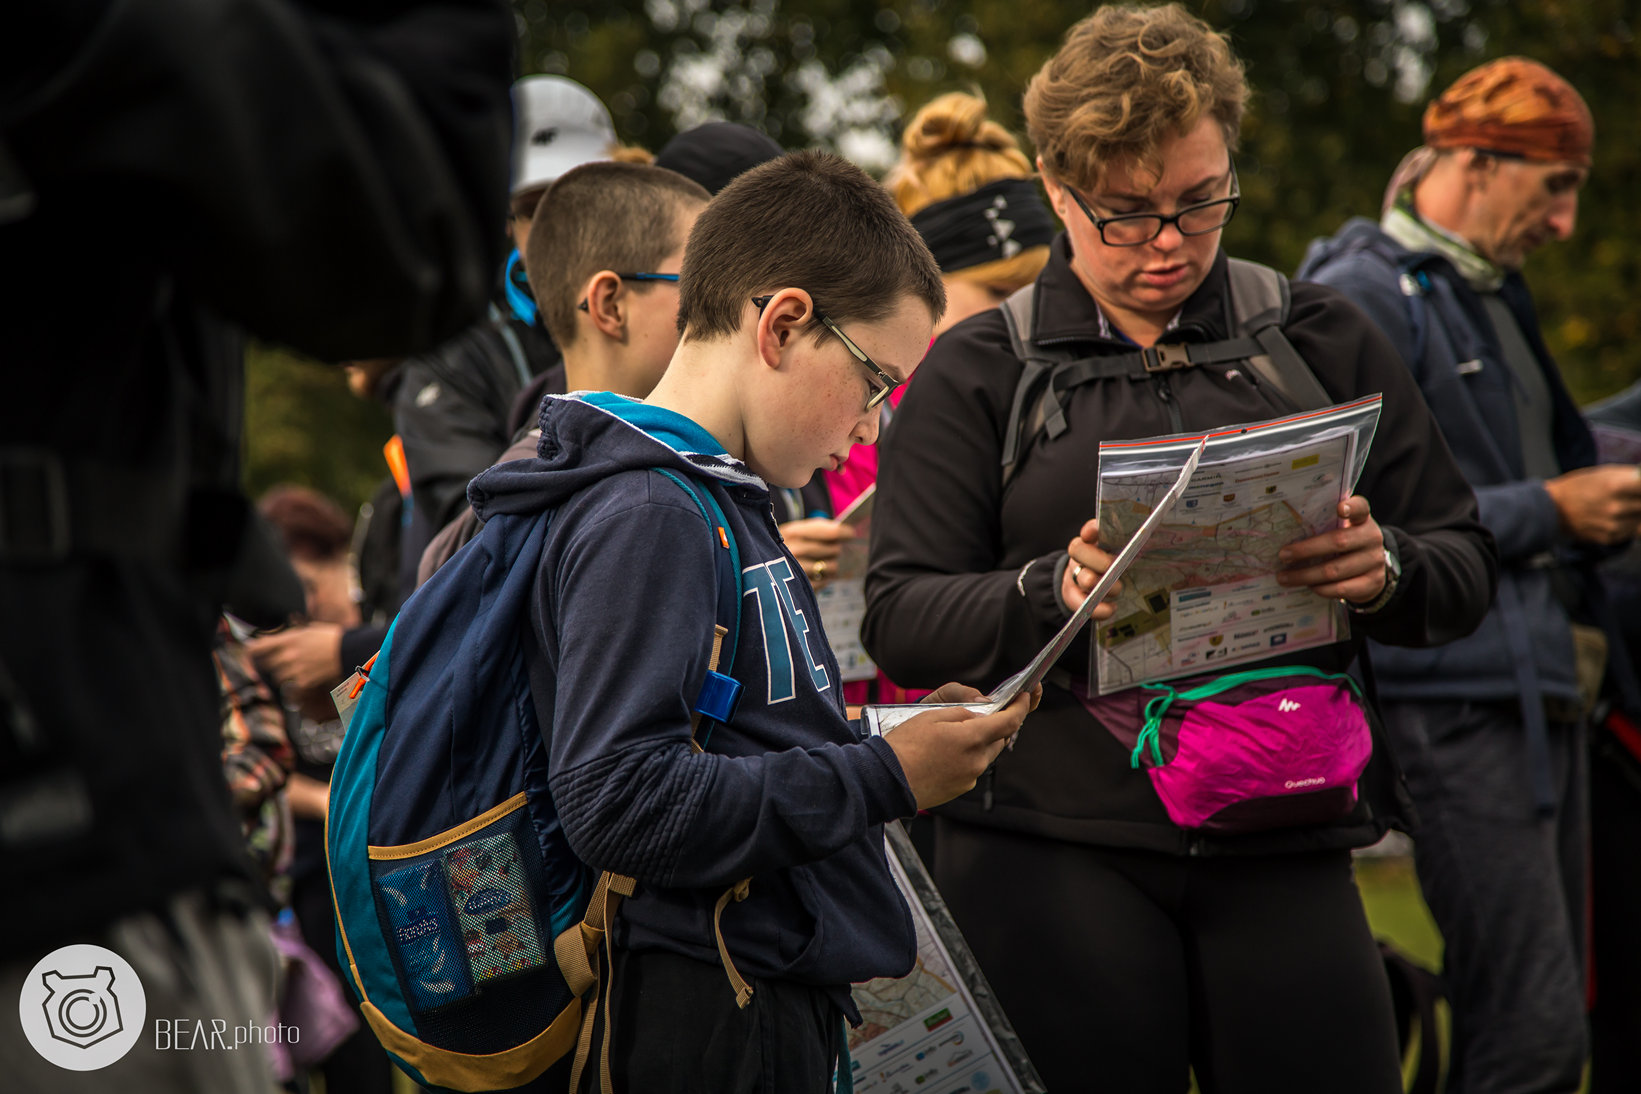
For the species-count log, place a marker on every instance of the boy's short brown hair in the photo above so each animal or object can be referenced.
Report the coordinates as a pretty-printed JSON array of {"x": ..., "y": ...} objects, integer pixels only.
[
  {"x": 625, "y": 217},
  {"x": 812, "y": 221},
  {"x": 1126, "y": 79}
]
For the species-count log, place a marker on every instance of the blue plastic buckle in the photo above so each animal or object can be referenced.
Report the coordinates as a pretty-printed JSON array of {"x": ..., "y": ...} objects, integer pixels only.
[{"x": 719, "y": 698}]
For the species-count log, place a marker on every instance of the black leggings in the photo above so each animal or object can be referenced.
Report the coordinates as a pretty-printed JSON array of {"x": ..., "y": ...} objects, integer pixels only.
[{"x": 1122, "y": 970}]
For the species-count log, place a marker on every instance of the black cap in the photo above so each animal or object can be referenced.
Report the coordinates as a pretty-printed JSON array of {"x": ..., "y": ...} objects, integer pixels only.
[{"x": 713, "y": 154}]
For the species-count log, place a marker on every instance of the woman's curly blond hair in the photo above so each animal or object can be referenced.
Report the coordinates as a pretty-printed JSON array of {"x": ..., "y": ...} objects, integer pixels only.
[{"x": 1127, "y": 79}]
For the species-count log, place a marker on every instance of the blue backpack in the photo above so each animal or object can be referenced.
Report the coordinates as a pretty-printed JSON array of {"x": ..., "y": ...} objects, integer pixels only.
[{"x": 469, "y": 928}]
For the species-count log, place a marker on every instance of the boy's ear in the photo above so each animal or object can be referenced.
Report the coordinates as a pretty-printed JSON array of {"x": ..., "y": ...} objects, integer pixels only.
[
  {"x": 603, "y": 304},
  {"x": 781, "y": 322}
]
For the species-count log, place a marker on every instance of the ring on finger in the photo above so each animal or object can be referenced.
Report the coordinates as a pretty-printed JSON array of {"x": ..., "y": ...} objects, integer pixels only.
[
  {"x": 820, "y": 571},
  {"x": 1076, "y": 573}
]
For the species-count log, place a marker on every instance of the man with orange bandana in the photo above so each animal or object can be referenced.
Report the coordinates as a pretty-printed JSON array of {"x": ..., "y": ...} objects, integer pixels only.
[{"x": 1492, "y": 730}]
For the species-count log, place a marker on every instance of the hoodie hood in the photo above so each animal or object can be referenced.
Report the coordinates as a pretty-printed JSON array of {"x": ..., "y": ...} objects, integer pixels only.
[
  {"x": 590, "y": 436},
  {"x": 625, "y": 601}
]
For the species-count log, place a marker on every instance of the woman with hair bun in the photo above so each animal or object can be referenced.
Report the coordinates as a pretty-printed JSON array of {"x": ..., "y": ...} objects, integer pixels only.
[{"x": 972, "y": 194}]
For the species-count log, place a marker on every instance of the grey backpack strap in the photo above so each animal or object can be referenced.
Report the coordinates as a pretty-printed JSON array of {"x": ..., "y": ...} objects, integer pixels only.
[
  {"x": 1259, "y": 304},
  {"x": 1019, "y": 312},
  {"x": 514, "y": 349}
]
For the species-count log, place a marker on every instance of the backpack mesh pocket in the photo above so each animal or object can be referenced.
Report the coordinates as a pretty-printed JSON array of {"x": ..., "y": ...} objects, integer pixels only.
[{"x": 471, "y": 941}]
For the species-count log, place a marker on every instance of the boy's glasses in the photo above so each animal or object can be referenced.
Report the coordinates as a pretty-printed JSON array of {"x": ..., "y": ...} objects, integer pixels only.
[
  {"x": 635, "y": 277},
  {"x": 1133, "y": 229},
  {"x": 886, "y": 384}
]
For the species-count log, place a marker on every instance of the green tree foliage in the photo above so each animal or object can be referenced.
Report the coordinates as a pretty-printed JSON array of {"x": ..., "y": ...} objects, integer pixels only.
[
  {"x": 1339, "y": 88},
  {"x": 303, "y": 426}
]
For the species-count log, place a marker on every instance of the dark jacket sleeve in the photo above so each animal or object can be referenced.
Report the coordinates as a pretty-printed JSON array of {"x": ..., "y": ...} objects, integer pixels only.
[
  {"x": 449, "y": 433},
  {"x": 1416, "y": 490},
  {"x": 631, "y": 795},
  {"x": 937, "y": 563},
  {"x": 332, "y": 176}
]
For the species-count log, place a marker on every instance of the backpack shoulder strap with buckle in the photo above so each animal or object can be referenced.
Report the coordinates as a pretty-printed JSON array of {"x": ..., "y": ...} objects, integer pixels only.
[{"x": 1260, "y": 304}]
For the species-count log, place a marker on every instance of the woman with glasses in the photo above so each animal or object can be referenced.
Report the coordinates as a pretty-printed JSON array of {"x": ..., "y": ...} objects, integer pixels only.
[{"x": 1129, "y": 950}]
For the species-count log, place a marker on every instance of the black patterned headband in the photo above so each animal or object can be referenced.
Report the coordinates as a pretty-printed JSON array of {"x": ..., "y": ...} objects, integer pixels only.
[{"x": 999, "y": 220}]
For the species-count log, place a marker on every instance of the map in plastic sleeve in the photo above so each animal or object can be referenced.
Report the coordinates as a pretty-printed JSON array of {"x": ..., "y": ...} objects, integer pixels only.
[
  {"x": 937, "y": 1029},
  {"x": 1204, "y": 594}
]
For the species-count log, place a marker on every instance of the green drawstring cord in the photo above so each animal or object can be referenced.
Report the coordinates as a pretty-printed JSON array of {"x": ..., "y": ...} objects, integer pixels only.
[
  {"x": 1150, "y": 734},
  {"x": 1154, "y": 710}
]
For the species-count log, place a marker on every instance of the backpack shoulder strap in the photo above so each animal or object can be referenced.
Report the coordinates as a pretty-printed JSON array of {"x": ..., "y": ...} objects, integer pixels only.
[
  {"x": 1035, "y": 406},
  {"x": 1260, "y": 302},
  {"x": 1019, "y": 312},
  {"x": 720, "y": 693},
  {"x": 515, "y": 350},
  {"x": 1415, "y": 283},
  {"x": 577, "y": 948}
]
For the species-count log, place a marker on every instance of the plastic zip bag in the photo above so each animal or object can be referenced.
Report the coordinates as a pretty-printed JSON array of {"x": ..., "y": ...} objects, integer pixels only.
[{"x": 1203, "y": 596}]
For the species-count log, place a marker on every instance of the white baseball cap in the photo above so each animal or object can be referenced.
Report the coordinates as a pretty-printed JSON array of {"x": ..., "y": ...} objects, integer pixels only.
[{"x": 557, "y": 124}]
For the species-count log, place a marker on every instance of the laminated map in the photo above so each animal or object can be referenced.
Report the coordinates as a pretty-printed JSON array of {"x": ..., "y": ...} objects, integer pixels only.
[
  {"x": 1204, "y": 595},
  {"x": 938, "y": 1029}
]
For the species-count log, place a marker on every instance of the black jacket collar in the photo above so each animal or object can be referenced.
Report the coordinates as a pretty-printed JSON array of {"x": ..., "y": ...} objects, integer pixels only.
[{"x": 1065, "y": 312}]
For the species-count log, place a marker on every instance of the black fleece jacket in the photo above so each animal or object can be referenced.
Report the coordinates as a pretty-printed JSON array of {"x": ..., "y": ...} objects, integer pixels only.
[{"x": 949, "y": 541}]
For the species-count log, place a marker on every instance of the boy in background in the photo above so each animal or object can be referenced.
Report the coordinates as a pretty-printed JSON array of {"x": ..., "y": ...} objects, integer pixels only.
[
  {"x": 806, "y": 298},
  {"x": 603, "y": 264}
]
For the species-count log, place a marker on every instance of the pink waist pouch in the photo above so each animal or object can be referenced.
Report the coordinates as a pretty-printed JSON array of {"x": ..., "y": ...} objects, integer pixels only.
[{"x": 1252, "y": 751}]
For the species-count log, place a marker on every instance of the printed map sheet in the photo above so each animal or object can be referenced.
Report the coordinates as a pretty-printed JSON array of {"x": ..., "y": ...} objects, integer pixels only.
[
  {"x": 1204, "y": 594},
  {"x": 926, "y": 1032}
]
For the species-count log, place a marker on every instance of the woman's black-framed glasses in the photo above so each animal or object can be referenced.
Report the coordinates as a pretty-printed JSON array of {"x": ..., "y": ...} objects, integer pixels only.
[
  {"x": 636, "y": 277},
  {"x": 878, "y": 393},
  {"x": 1134, "y": 229}
]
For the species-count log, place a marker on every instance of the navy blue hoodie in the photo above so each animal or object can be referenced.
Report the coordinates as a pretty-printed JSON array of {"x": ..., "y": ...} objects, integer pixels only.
[{"x": 788, "y": 794}]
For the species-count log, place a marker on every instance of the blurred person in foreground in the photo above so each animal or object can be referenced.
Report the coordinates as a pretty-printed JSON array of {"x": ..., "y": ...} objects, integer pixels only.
[
  {"x": 1130, "y": 949},
  {"x": 256, "y": 163},
  {"x": 1615, "y": 802},
  {"x": 1493, "y": 730}
]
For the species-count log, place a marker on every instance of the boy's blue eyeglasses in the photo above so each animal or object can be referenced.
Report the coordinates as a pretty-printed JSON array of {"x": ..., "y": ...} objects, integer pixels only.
[
  {"x": 878, "y": 393},
  {"x": 636, "y": 277}
]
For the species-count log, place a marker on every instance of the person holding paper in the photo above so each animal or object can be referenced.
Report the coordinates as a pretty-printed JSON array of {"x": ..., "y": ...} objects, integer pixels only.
[{"x": 1129, "y": 949}]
